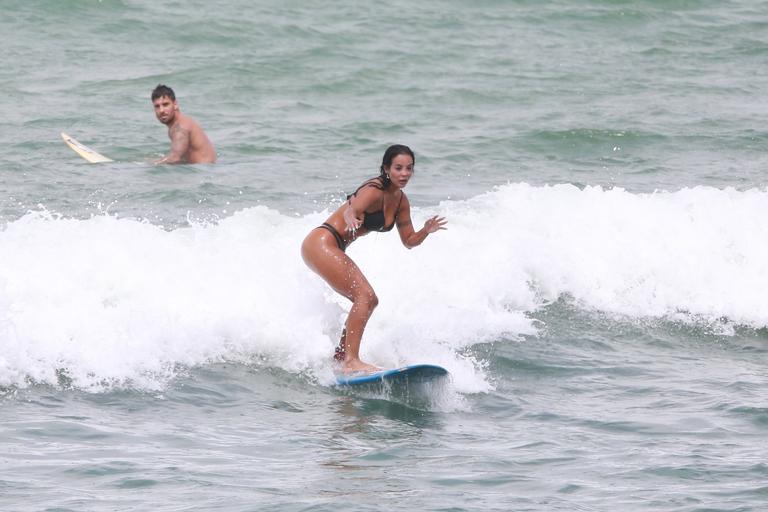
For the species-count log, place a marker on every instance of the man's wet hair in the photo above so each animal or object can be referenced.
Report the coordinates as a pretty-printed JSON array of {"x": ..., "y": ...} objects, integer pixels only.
[{"x": 163, "y": 90}]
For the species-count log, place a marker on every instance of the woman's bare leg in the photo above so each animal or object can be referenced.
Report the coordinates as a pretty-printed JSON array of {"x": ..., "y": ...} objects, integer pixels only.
[{"x": 323, "y": 256}]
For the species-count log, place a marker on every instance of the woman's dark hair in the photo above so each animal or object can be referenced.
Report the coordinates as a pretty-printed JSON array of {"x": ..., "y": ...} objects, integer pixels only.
[
  {"x": 163, "y": 90},
  {"x": 389, "y": 155}
]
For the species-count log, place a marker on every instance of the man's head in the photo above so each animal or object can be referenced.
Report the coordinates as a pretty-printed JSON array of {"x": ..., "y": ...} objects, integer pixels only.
[
  {"x": 163, "y": 90},
  {"x": 164, "y": 101}
]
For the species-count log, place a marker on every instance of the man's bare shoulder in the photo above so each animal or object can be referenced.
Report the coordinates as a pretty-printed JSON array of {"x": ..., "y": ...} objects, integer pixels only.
[
  {"x": 178, "y": 128},
  {"x": 188, "y": 123},
  {"x": 201, "y": 149}
]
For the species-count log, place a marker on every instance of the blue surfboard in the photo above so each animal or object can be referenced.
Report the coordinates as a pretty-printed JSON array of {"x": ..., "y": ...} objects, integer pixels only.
[{"x": 413, "y": 374}]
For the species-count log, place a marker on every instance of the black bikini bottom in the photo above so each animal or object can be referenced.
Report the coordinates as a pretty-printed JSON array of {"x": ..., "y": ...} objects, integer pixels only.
[{"x": 336, "y": 235}]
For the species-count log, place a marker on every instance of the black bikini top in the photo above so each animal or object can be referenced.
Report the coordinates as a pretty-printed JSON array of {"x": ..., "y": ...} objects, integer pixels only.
[{"x": 374, "y": 221}]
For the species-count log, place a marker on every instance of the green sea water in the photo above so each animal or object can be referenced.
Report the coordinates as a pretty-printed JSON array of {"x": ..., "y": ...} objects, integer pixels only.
[{"x": 598, "y": 297}]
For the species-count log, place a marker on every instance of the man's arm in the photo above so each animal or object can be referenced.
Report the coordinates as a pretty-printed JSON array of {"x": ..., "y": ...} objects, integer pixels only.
[{"x": 179, "y": 146}]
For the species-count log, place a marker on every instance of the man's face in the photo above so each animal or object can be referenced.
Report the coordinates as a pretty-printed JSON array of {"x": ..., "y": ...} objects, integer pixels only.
[{"x": 165, "y": 109}]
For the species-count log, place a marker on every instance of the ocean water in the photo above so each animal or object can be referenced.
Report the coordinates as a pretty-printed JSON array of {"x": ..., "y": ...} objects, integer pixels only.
[{"x": 599, "y": 296}]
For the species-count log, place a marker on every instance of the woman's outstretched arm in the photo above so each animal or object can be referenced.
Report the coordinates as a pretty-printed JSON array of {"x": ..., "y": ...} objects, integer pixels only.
[{"x": 409, "y": 236}]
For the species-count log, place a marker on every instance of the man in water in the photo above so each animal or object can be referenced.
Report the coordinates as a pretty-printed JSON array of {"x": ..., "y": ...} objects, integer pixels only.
[{"x": 189, "y": 144}]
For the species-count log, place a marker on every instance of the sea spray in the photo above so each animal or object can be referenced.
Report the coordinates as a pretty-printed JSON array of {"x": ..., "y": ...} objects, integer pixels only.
[{"x": 118, "y": 301}]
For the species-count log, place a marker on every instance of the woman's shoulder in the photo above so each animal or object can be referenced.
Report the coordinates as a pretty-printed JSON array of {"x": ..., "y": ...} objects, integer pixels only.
[
  {"x": 373, "y": 184},
  {"x": 403, "y": 199},
  {"x": 376, "y": 182}
]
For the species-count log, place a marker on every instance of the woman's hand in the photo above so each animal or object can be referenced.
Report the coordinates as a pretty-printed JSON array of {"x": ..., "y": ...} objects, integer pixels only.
[
  {"x": 353, "y": 222},
  {"x": 435, "y": 223}
]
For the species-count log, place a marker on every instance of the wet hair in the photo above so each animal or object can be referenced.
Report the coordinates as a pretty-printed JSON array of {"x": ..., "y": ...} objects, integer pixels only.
[
  {"x": 389, "y": 155},
  {"x": 163, "y": 90}
]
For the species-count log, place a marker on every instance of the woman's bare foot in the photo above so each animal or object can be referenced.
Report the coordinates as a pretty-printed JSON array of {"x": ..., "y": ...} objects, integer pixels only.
[{"x": 357, "y": 366}]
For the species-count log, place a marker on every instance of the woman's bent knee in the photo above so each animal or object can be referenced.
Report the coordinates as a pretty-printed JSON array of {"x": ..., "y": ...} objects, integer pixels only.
[{"x": 368, "y": 300}]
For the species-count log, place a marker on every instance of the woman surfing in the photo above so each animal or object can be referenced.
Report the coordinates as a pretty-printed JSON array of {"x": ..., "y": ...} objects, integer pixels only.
[{"x": 377, "y": 205}]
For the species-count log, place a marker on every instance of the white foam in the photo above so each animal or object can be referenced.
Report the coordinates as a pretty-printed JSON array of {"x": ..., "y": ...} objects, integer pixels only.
[
  {"x": 700, "y": 252},
  {"x": 123, "y": 302}
]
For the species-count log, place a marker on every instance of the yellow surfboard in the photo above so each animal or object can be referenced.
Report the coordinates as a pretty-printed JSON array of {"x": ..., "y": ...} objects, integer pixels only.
[{"x": 83, "y": 150}]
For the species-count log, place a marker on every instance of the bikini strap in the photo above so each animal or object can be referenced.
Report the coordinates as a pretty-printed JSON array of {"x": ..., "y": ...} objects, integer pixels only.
[
  {"x": 339, "y": 239},
  {"x": 373, "y": 182}
]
